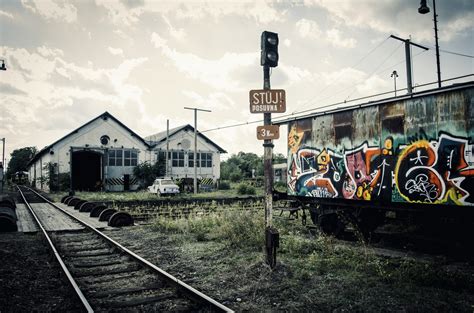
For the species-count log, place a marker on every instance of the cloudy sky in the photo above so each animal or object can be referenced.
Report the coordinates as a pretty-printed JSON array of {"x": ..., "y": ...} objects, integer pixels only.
[{"x": 145, "y": 60}]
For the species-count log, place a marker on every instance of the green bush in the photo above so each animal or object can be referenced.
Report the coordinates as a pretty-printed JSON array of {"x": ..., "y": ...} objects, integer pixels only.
[
  {"x": 235, "y": 177},
  {"x": 245, "y": 189},
  {"x": 242, "y": 229},
  {"x": 224, "y": 185},
  {"x": 280, "y": 186}
]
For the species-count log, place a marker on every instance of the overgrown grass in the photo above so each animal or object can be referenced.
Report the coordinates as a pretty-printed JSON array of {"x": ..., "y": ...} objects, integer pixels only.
[
  {"x": 144, "y": 195},
  {"x": 235, "y": 228},
  {"x": 310, "y": 255}
]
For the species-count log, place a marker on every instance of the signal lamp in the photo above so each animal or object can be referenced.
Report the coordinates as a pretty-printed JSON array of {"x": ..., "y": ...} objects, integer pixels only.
[{"x": 269, "y": 45}]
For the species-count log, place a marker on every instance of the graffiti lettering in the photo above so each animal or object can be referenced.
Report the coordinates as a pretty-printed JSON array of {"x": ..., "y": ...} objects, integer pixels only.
[
  {"x": 423, "y": 187},
  {"x": 425, "y": 171}
]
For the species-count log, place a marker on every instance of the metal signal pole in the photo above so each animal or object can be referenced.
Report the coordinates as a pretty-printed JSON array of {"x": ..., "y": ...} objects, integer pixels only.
[
  {"x": 3, "y": 165},
  {"x": 195, "y": 143},
  {"x": 267, "y": 157}
]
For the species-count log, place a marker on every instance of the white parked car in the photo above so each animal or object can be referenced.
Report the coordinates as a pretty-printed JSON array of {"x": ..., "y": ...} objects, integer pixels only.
[{"x": 164, "y": 186}]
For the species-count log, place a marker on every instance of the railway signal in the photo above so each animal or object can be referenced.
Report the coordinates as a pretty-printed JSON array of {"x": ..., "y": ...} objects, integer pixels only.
[
  {"x": 268, "y": 101},
  {"x": 269, "y": 45}
]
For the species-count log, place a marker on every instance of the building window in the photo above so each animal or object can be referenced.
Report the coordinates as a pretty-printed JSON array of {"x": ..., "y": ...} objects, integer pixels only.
[
  {"x": 177, "y": 159},
  {"x": 130, "y": 158},
  {"x": 206, "y": 159},
  {"x": 191, "y": 159},
  {"x": 115, "y": 157}
]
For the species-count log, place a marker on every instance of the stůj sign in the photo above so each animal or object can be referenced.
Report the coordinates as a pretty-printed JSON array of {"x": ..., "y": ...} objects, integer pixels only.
[{"x": 267, "y": 101}]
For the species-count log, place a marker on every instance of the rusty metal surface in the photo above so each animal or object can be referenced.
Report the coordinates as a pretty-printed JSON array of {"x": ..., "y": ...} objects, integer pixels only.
[{"x": 416, "y": 150}]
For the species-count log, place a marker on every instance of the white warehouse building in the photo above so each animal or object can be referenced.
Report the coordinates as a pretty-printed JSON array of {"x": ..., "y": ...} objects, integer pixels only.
[
  {"x": 180, "y": 145},
  {"x": 102, "y": 153}
]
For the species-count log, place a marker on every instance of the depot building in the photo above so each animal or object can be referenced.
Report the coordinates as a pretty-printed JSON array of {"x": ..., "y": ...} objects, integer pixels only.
[{"x": 101, "y": 155}]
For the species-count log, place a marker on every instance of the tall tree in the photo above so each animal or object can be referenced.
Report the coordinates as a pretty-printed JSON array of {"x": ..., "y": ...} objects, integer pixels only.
[{"x": 19, "y": 159}]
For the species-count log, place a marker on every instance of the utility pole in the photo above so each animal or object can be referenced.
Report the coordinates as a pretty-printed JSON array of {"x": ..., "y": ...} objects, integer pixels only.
[
  {"x": 195, "y": 143},
  {"x": 408, "y": 59},
  {"x": 167, "y": 147}
]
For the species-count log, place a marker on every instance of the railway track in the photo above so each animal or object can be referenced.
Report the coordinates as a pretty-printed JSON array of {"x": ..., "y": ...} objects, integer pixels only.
[{"x": 108, "y": 277}]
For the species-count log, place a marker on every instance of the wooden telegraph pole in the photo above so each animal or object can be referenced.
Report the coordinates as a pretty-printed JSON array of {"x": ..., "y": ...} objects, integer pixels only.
[{"x": 268, "y": 101}]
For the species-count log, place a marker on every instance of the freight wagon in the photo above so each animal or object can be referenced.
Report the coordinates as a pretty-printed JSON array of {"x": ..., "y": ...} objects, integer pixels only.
[{"x": 412, "y": 153}]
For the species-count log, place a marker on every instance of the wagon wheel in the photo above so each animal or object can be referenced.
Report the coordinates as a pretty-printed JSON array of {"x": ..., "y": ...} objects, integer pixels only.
[{"x": 331, "y": 224}]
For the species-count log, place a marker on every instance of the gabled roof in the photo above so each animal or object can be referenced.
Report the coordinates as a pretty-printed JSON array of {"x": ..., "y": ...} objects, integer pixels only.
[
  {"x": 160, "y": 137},
  {"x": 103, "y": 116}
]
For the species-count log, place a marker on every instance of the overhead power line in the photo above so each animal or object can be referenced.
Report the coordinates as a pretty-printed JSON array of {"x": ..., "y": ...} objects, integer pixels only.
[
  {"x": 319, "y": 92},
  {"x": 456, "y": 53},
  {"x": 296, "y": 114}
]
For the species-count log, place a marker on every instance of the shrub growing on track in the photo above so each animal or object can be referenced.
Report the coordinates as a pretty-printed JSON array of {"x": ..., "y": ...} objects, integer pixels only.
[{"x": 246, "y": 189}]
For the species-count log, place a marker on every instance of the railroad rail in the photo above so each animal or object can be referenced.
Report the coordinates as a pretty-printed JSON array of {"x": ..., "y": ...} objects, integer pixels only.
[{"x": 107, "y": 276}]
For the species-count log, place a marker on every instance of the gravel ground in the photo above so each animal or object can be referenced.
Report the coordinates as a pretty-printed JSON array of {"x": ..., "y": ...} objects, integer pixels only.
[
  {"x": 240, "y": 279},
  {"x": 29, "y": 277}
]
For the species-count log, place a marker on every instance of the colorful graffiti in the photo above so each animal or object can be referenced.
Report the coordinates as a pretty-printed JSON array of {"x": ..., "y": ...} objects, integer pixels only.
[
  {"x": 423, "y": 171},
  {"x": 436, "y": 171}
]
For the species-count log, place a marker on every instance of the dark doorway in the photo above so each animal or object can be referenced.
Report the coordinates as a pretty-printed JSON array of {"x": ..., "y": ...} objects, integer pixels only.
[
  {"x": 86, "y": 171},
  {"x": 126, "y": 182}
]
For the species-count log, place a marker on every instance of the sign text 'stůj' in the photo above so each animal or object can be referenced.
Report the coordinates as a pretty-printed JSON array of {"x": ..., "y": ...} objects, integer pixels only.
[{"x": 267, "y": 101}]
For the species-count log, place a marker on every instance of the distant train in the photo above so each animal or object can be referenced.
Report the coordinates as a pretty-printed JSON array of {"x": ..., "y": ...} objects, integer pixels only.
[{"x": 412, "y": 153}]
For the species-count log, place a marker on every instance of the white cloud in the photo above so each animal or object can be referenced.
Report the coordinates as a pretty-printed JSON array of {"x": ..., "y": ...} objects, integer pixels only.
[
  {"x": 158, "y": 41},
  {"x": 49, "y": 52},
  {"x": 261, "y": 11},
  {"x": 6, "y": 14},
  {"x": 52, "y": 9},
  {"x": 334, "y": 37},
  {"x": 33, "y": 77},
  {"x": 178, "y": 34},
  {"x": 296, "y": 74},
  {"x": 372, "y": 85},
  {"x": 344, "y": 76},
  {"x": 215, "y": 101},
  {"x": 400, "y": 17},
  {"x": 457, "y": 27},
  {"x": 308, "y": 28},
  {"x": 119, "y": 13},
  {"x": 216, "y": 73},
  {"x": 115, "y": 51}
]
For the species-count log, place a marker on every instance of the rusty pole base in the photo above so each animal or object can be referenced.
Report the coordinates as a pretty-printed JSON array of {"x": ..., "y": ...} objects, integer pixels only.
[{"x": 272, "y": 242}]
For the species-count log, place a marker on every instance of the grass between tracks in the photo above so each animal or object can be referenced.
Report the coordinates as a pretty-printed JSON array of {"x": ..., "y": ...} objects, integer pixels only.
[
  {"x": 144, "y": 195},
  {"x": 314, "y": 272}
]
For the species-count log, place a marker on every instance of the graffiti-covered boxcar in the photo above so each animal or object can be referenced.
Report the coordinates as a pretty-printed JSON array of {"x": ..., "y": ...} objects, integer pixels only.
[{"x": 413, "y": 152}]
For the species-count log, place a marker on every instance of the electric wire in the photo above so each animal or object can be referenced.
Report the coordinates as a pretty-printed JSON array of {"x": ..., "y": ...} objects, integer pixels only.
[
  {"x": 455, "y": 53},
  {"x": 319, "y": 92},
  {"x": 378, "y": 67},
  {"x": 314, "y": 101},
  {"x": 296, "y": 116}
]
